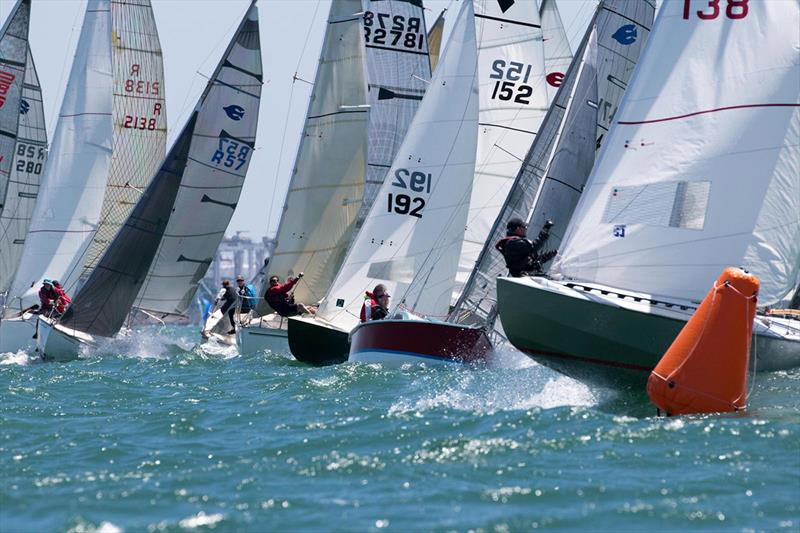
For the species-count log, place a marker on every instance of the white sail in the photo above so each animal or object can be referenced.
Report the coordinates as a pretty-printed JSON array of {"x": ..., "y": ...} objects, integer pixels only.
[
  {"x": 557, "y": 51},
  {"x": 23, "y": 141},
  {"x": 139, "y": 118},
  {"x": 68, "y": 207},
  {"x": 701, "y": 169},
  {"x": 513, "y": 102},
  {"x": 211, "y": 183},
  {"x": 412, "y": 237},
  {"x": 327, "y": 182}
]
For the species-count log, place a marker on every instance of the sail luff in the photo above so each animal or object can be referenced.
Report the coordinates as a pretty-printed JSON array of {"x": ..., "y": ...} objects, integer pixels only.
[
  {"x": 211, "y": 185},
  {"x": 435, "y": 36},
  {"x": 557, "y": 51},
  {"x": 72, "y": 188}
]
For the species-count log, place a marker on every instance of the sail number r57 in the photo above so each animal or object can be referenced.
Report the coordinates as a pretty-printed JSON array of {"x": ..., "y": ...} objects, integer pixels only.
[{"x": 406, "y": 204}]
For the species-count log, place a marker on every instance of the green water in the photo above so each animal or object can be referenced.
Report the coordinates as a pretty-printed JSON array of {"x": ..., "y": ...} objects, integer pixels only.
[{"x": 156, "y": 434}]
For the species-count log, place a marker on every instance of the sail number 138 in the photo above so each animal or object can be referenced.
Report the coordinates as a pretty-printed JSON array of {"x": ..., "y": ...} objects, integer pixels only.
[
  {"x": 735, "y": 9},
  {"x": 414, "y": 182}
]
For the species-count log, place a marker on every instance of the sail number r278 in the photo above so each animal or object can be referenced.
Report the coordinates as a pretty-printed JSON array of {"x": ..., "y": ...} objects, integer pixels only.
[
  {"x": 735, "y": 9},
  {"x": 513, "y": 84},
  {"x": 405, "y": 204}
]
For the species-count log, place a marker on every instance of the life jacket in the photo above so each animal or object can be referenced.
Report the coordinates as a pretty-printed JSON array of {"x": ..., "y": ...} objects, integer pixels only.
[
  {"x": 247, "y": 295},
  {"x": 62, "y": 301},
  {"x": 370, "y": 303},
  {"x": 518, "y": 253}
]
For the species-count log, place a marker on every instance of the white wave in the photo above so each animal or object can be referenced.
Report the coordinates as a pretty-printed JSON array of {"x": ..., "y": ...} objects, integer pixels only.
[
  {"x": 201, "y": 519},
  {"x": 21, "y": 358}
]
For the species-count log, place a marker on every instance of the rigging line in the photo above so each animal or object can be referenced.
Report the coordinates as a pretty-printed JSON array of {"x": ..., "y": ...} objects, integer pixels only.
[{"x": 286, "y": 118}]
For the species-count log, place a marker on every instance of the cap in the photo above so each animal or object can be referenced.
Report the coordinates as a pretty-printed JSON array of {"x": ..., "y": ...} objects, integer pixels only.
[
  {"x": 239, "y": 278},
  {"x": 380, "y": 290},
  {"x": 56, "y": 282},
  {"x": 46, "y": 281},
  {"x": 515, "y": 223}
]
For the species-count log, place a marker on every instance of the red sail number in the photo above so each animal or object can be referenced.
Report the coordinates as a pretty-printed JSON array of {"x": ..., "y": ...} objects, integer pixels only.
[{"x": 735, "y": 10}]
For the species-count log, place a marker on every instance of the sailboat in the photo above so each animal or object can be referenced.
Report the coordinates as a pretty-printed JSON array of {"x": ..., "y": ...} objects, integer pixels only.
[
  {"x": 110, "y": 137},
  {"x": 561, "y": 157},
  {"x": 367, "y": 88},
  {"x": 213, "y": 151},
  {"x": 412, "y": 237},
  {"x": 23, "y": 140},
  {"x": 700, "y": 172}
]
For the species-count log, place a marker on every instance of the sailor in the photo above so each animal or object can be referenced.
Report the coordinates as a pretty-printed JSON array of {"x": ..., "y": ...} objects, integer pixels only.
[
  {"x": 63, "y": 300},
  {"x": 247, "y": 297},
  {"x": 47, "y": 297},
  {"x": 228, "y": 296},
  {"x": 279, "y": 298},
  {"x": 522, "y": 256},
  {"x": 376, "y": 304}
]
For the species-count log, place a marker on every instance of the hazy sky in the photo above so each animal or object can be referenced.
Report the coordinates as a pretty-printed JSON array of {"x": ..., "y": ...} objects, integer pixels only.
[{"x": 193, "y": 34}]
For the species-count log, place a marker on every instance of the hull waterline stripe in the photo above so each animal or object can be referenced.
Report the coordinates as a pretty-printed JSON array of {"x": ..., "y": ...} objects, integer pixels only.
[
  {"x": 410, "y": 354},
  {"x": 678, "y": 117}
]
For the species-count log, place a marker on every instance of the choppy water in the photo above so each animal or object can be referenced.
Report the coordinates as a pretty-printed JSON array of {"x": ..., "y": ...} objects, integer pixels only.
[{"x": 171, "y": 437}]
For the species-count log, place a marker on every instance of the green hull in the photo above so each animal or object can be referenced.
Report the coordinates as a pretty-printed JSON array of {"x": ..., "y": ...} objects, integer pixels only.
[{"x": 316, "y": 343}]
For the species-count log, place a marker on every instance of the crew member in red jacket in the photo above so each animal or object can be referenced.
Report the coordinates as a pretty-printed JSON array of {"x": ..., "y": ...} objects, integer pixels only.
[
  {"x": 376, "y": 304},
  {"x": 63, "y": 300},
  {"x": 281, "y": 301}
]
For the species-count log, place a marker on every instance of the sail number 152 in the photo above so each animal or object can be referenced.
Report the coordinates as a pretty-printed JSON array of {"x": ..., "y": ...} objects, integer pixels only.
[{"x": 406, "y": 204}]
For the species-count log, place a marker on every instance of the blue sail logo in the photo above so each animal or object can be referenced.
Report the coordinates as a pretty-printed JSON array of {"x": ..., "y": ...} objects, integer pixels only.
[
  {"x": 24, "y": 107},
  {"x": 625, "y": 35},
  {"x": 234, "y": 112}
]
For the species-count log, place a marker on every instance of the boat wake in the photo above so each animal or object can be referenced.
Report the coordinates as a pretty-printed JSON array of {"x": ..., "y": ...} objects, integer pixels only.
[{"x": 20, "y": 358}]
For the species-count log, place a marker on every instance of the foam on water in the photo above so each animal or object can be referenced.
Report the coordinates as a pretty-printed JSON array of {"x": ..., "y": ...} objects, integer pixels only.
[{"x": 21, "y": 358}]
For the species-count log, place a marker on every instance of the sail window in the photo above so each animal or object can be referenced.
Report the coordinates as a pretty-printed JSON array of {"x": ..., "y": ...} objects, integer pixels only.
[{"x": 675, "y": 204}]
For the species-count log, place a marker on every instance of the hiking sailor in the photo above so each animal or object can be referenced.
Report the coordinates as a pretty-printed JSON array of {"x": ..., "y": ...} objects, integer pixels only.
[
  {"x": 522, "y": 256},
  {"x": 47, "y": 297},
  {"x": 376, "y": 304},
  {"x": 228, "y": 296},
  {"x": 281, "y": 301},
  {"x": 62, "y": 301},
  {"x": 247, "y": 299}
]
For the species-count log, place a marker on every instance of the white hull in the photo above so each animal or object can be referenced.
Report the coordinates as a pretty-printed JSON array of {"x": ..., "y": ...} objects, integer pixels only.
[
  {"x": 17, "y": 334},
  {"x": 57, "y": 343},
  {"x": 266, "y": 334}
]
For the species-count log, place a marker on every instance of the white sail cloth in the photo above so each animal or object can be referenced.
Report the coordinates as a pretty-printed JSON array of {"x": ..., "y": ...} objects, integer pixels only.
[
  {"x": 23, "y": 140},
  {"x": 557, "y": 51},
  {"x": 702, "y": 169},
  {"x": 68, "y": 207},
  {"x": 213, "y": 178},
  {"x": 412, "y": 236},
  {"x": 513, "y": 102},
  {"x": 327, "y": 182}
]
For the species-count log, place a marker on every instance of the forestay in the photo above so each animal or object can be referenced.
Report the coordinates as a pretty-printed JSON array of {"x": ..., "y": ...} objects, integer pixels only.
[
  {"x": 398, "y": 70},
  {"x": 412, "y": 237},
  {"x": 71, "y": 194},
  {"x": 513, "y": 102},
  {"x": 139, "y": 118},
  {"x": 199, "y": 159},
  {"x": 622, "y": 27},
  {"x": 701, "y": 170},
  {"x": 23, "y": 139},
  {"x": 327, "y": 182},
  {"x": 213, "y": 179},
  {"x": 557, "y": 51}
]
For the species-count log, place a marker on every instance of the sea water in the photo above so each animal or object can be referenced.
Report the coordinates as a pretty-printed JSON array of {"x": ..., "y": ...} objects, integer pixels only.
[{"x": 154, "y": 433}]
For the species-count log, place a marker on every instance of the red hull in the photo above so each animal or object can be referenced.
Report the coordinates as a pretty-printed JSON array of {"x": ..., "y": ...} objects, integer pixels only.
[{"x": 408, "y": 340}]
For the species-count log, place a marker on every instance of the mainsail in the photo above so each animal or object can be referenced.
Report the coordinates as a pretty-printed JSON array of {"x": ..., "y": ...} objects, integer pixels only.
[
  {"x": 327, "y": 182},
  {"x": 412, "y": 237},
  {"x": 211, "y": 184},
  {"x": 621, "y": 27},
  {"x": 213, "y": 151},
  {"x": 83, "y": 152},
  {"x": 398, "y": 70},
  {"x": 139, "y": 118},
  {"x": 23, "y": 139},
  {"x": 701, "y": 170},
  {"x": 513, "y": 102}
]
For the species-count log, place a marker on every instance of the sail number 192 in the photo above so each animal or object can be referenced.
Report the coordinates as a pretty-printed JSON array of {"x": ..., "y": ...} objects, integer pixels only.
[{"x": 414, "y": 182}]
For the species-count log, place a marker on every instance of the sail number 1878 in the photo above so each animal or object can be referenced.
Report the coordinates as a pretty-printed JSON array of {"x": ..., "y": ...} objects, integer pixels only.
[{"x": 406, "y": 204}]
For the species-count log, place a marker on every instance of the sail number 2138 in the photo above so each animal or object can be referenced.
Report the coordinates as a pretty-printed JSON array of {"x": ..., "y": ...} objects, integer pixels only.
[{"x": 414, "y": 182}]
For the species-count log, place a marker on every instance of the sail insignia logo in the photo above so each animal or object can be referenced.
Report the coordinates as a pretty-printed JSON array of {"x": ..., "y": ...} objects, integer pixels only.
[
  {"x": 505, "y": 5},
  {"x": 625, "y": 35},
  {"x": 619, "y": 230},
  {"x": 234, "y": 112},
  {"x": 24, "y": 107}
]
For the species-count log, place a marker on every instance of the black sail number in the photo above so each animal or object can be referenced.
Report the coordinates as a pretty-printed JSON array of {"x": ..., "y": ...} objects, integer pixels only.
[
  {"x": 384, "y": 29},
  {"x": 413, "y": 182},
  {"x": 512, "y": 84}
]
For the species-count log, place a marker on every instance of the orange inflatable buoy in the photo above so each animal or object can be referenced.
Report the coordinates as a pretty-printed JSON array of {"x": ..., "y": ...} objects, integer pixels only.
[{"x": 705, "y": 368}]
